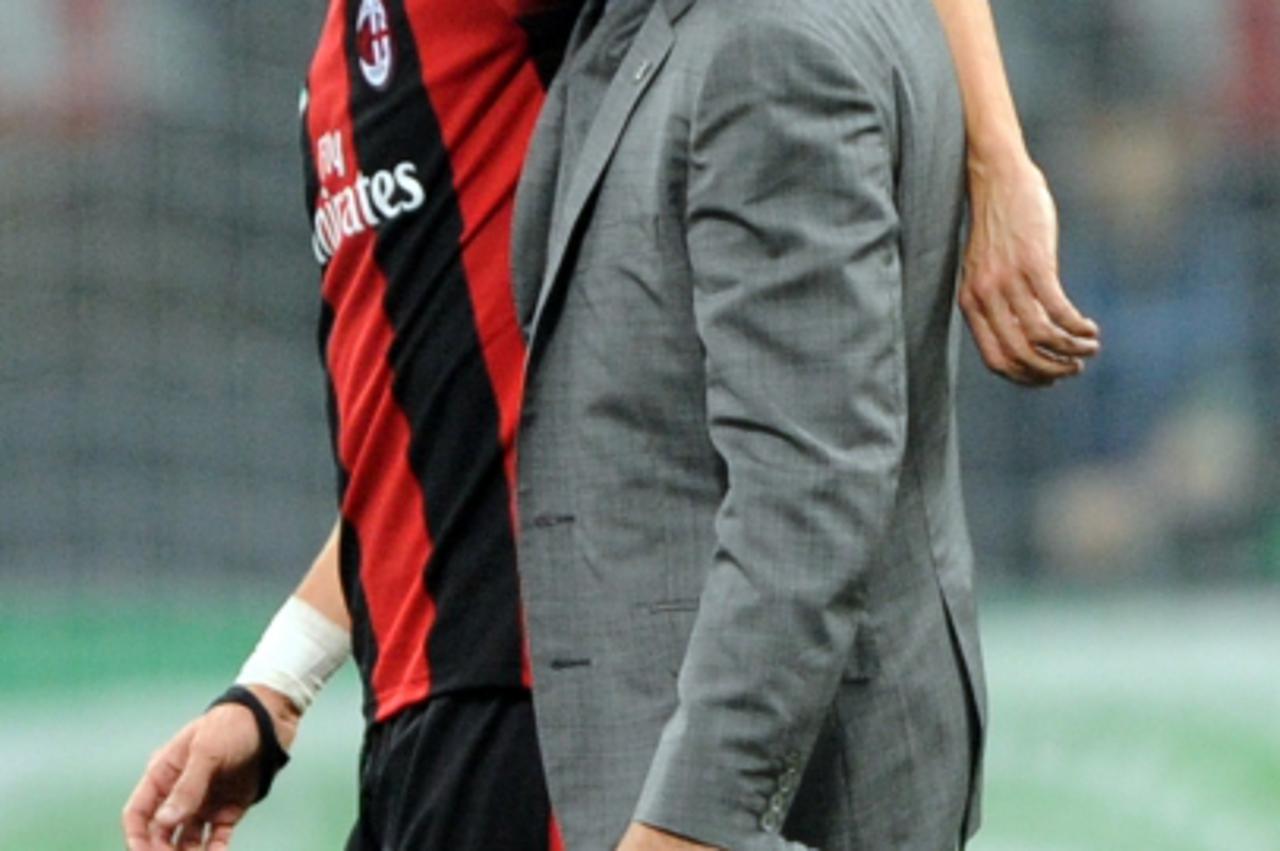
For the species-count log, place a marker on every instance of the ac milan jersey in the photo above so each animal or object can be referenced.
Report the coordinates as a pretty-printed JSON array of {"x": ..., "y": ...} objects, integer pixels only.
[{"x": 416, "y": 117}]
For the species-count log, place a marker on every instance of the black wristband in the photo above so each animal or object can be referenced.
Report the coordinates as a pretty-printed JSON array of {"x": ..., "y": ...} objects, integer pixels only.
[{"x": 272, "y": 756}]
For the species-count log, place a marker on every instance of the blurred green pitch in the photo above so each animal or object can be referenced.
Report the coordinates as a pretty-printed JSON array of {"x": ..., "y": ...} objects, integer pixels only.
[{"x": 1117, "y": 724}]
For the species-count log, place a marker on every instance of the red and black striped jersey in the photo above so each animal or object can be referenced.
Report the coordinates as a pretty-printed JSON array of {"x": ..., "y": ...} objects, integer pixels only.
[{"x": 416, "y": 118}]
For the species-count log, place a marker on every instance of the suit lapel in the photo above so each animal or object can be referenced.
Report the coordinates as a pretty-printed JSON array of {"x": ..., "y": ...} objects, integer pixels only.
[
  {"x": 640, "y": 65},
  {"x": 535, "y": 204}
]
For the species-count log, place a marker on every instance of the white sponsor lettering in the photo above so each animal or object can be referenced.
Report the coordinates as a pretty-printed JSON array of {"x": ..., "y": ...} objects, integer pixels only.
[
  {"x": 384, "y": 188},
  {"x": 330, "y": 158},
  {"x": 407, "y": 179},
  {"x": 366, "y": 203}
]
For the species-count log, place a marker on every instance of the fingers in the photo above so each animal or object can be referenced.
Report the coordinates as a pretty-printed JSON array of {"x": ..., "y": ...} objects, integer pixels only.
[
  {"x": 197, "y": 834},
  {"x": 189, "y": 792},
  {"x": 221, "y": 827},
  {"x": 1045, "y": 335},
  {"x": 1048, "y": 291},
  {"x": 197, "y": 788},
  {"x": 1019, "y": 348},
  {"x": 191, "y": 835},
  {"x": 157, "y": 780},
  {"x": 988, "y": 346},
  {"x": 138, "y": 810},
  {"x": 1002, "y": 343},
  {"x": 1015, "y": 332},
  {"x": 220, "y": 839}
]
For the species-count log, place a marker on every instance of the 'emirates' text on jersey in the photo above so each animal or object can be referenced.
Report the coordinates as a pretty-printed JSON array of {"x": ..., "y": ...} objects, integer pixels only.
[{"x": 416, "y": 117}]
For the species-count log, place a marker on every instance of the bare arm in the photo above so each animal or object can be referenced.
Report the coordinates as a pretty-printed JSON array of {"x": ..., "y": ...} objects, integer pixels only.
[
  {"x": 322, "y": 587},
  {"x": 205, "y": 778},
  {"x": 990, "y": 115},
  {"x": 1025, "y": 326}
]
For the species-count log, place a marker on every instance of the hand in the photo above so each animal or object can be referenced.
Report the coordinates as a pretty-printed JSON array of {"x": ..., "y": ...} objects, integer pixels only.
[
  {"x": 642, "y": 837},
  {"x": 1025, "y": 327},
  {"x": 197, "y": 787}
]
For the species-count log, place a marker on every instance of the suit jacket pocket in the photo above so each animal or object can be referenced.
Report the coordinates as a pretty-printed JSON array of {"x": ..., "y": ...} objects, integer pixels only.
[{"x": 675, "y": 619}]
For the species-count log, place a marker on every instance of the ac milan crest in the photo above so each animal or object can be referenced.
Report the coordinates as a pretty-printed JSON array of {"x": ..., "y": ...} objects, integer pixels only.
[{"x": 374, "y": 46}]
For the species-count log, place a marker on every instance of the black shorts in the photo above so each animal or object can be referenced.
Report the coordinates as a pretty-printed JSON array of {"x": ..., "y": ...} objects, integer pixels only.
[{"x": 460, "y": 772}]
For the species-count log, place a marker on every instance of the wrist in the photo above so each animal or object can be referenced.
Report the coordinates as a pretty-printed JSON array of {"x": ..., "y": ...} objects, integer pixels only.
[
  {"x": 997, "y": 145},
  {"x": 297, "y": 654},
  {"x": 1013, "y": 166},
  {"x": 285, "y": 714},
  {"x": 992, "y": 130},
  {"x": 272, "y": 755}
]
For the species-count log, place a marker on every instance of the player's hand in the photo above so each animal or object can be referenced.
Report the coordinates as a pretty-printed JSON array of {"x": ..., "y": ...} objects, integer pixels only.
[
  {"x": 1025, "y": 327},
  {"x": 197, "y": 788},
  {"x": 641, "y": 837}
]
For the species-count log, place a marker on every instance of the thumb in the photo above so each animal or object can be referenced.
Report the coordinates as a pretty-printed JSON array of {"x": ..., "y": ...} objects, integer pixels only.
[{"x": 189, "y": 792}]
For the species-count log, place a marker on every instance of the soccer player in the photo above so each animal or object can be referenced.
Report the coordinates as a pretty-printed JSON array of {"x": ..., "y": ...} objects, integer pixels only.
[{"x": 416, "y": 117}]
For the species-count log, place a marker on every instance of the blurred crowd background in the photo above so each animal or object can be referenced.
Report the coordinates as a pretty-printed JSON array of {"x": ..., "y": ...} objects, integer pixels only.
[
  {"x": 162, "y": 431},
  {"x": 1158, "y": 122},
  {"x": 163, "y": 417}
]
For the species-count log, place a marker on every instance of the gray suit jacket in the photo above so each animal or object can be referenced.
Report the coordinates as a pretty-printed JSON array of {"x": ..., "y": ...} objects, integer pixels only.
[{"x": 743, "y": 550}]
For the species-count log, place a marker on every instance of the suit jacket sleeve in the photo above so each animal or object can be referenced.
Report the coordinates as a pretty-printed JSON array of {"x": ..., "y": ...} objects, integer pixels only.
[{"x": 793, "y": 240}]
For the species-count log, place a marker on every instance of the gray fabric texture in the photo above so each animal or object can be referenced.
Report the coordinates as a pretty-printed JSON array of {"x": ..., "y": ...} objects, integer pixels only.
[{"x": 743, "y": 553}]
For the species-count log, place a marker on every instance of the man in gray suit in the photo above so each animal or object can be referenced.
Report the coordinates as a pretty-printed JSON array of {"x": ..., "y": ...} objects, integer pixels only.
[{"x": 744, "y": 556}]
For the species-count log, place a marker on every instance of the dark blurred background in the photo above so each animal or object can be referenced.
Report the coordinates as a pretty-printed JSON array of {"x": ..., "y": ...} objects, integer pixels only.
[
  {"x": 165, "y": 473},
  {"x": 1158, "y": 122}
]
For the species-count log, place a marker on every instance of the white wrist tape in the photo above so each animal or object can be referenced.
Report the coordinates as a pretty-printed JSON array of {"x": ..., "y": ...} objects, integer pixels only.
[{"x": 297, "y": 654}]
